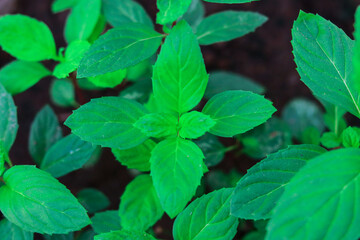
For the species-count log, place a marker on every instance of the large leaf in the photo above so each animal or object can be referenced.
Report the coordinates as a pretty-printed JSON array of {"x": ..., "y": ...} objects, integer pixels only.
[
  {"x": 356, "y": 56},
  {"x": 180, "y": 77},
  {"x": 120, "y": 48},
  {"x": 10, "y": 231},
  {"x": 171, "y": 162},
  {"x": 124, "y": 235},
  {"x": 140, "y": 206},
  {"x": 93, "y": 200},
  {"x": 108, "y": 122},
  {"x": 257, "y": 193},
  {"x": 207, "y": 218},
  {"x": 26, "y": 38},
  {"x": 37, "y": 202},
  {"x": 323, "y": 51},
  {"x": 171, "y": 10},
  {"x": 321, "y": 201},
  {"x": 236, "y": 112},
  {"x": 228, "y": 25},
  {"x": 107, "y": 221}
]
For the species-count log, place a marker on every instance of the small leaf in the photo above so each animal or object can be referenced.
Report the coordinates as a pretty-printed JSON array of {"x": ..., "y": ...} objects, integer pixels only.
[
  {"x": 19, "y": 32},
  {"x": 236, "y": 112},
  {"x": 207, "y": 218},
  {"x": 62, "y": 93},
  {"x": 171, "y": 10},
  {"x": 10, "y": 231},
  {"x": 124, "y": 235},
  {"x": 109, "y": 80},
  {"x": 330, "y": 140},
  {"x": 61, "y": 5},
  {"x": 140, "y": 206},
  {"x": 194, "y": 124},
  {"x": 93, "y": 200},
  {"x": 212, "y": 148},
  {"x": 230, "y": 1},
  {"x": 157, "y": 125},
  {"x": 19, "y": 76},
  {"x": 47, "y": 202},
  {"x": 107, "y": 221},
  {"x": 228, "y": 25},
  {"x": 351, "y": 137},
  {"x": 108, "y": 122},
  {"x": 195, "y": 13},
  {"x": 119, "y": 48}
]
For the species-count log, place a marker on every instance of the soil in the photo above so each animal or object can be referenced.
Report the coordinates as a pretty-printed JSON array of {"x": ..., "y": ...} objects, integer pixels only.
[{"x": 264, "y": 56}]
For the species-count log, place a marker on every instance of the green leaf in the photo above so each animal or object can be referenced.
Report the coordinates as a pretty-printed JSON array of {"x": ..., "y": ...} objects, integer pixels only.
[
  {"x": 218, "y": 179},
  {"x": 47, "y": 202},
  {"x": 140, "y": 71},
  {"x": 194, "y": 124},
  {"x": 212, "y": 148},
  {"x": 180, "y": 78},
  {"x": 311, "y": 135},
  {"x": 45, "y": 131},
  {"x": 26, "y": 38},
  {"x": 171, "y": 10},
  {"x": 330, "y": 140},
  {"x": 323, "y": 51},
  {"x": 86, "y": 235},
  {"x": 236, "y": 112},
  {"x": 230, "y": 1},
  {"x": 140, "y": 206},
  {"x": 93, "y": 200},
  {"x": 8, "y": 120},
  {"x": 107, "y": 221},
  {"x": 258, "y": 192},
  {"x": 321, "y": 201},
  {"x": 85, "y": 84},
  {"x": 136, "y": 158},
  {"x": 118, "y": 13},
  {"x": 82, "y": 20},
  {"x": 119, "y": 48},
  {"x": 157, "y": 125},
  {"x": 95, "y": 157},
  {"x": 228, "y": 25},
  {"x": 108, "y": 122},
  {"x": 18, "y": 76},
  {"x": 67, "y": 155},
  {"x": 139, "y": 91},
  {"x": 221, "y": 81},
  {"x": 109, "y": 80},
  {"x": 195, "y": 13},
  {"x": 207, "y": 218},
  {"x": 356, "y": 57},
  {"x": 124, "y": 235},
  {"x": 171, "y": 162},
  {"x": 69, "y": 236},
  {"x": 98, "y": 29},
  {"x": 61, "y": 5},
  {"x": 10, "y": 231},
  {"x": 351, "y": 137},
  {"x": 3, "y": 159},
  {"x": 62, "y": 93}
]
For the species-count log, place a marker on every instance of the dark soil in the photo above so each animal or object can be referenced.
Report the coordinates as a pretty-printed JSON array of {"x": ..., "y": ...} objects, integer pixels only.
[{"x": 264, "y": 56}]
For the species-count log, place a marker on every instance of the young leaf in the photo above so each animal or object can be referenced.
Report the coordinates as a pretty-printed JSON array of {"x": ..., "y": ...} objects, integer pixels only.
[
  {"x": 258, "y": 192},
  {"x": 124, "y": 235},
  {"x": 26, "y": 38},
  {"x": 351, "y": 137},
  {"x": 140, "y": 206},
  {"x": 194, "y": 124},
  {"x": 62, "y": 93},
  {"x": 82, "y": 20},
  {"x": 212, "y": 148},
  {"x": 18, "y": 76},
  {"x": 107, "y": 221},
  {"x": 171, "y": 10},
  {"x": 8, "y": 120},
  {"x": 119, "y": 48},
  {"x": 323, "y": 51},
  {"x": 330, "y": 140},
  {"x": 61, "y": 5},
  {"x": 207, "y": 218},
  {"x": 228, "y": 25},
  {"x": 119, "y": 13},
  {"x": 47, "y": 202},
  {"x": 157, "y": 125},
  {"x": 195, "y": 13},
  {"x": 236, "y": 112},
  {"x": 136, "y": 158},
  {"x": 45, "y": 131},
  {"x": 10, "y": 231},
  {"x": 67, "y": 155},
  {"x": 321, "y": 201},
  {"x": 108, "y": 122},
  {"x": 171, "y": 162},
  {"x": 93, "y": 200},
  {"x": 180, "y": 78},
  {"x": 109, "y": 80},
  {"x": 230, "y": 1}
]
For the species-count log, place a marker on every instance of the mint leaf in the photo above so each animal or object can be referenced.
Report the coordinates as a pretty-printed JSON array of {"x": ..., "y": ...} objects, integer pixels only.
[
  {"x": 351, "y": 137},
  {"x": 236, "y": 112},
  {"x": 119, "y": 48},
  {"x": 356, "y": 56},
  {"x": 62, "y": 93},
  {"x": 330, "y": 140},
  {"x": 194, "y": 124},
  {"x": 61, "y": 5},
  {"x": 118, "y": 13},
  {"x": 66, "y": 155},
  {"x": 218, "y": 179},
  {"x": 230, "y": 1},
  {"x": 140, "y": 206},
  {"x": 45, "y": 131},
  {"x": 207, "y": 217},
  {"x": 212, "y": 148},
  {"x": 10, "y": 231},
  {"x": 47, "y": 202},
  {"x": 157, "y": 125},
  {"x": 124, "y": 235},
  {"x": 109, "y": 80},
  {"x": 258, "y": 192},
  {"x": 321, "y": 200},
  {"x": 171, "y": 161},
  {"x": 195, "y": 13},
  {"x": 139, "y": 91},
  {"x": 107, "y": 221},
  {"x": 228, "y": 25},
  {"x": 8, "y": 120},
  {"x": 93, "y": 200},
  {"x": 108, "y": 122},
  {"x": 140, "y": 71},
  {"x": 82, "y": 20},
  {"x": 18, "y": 76},
  {"x": 136, "y": 158},
  {"x": 171, "y": 10},
  {"x": 180, "y": 78}
]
